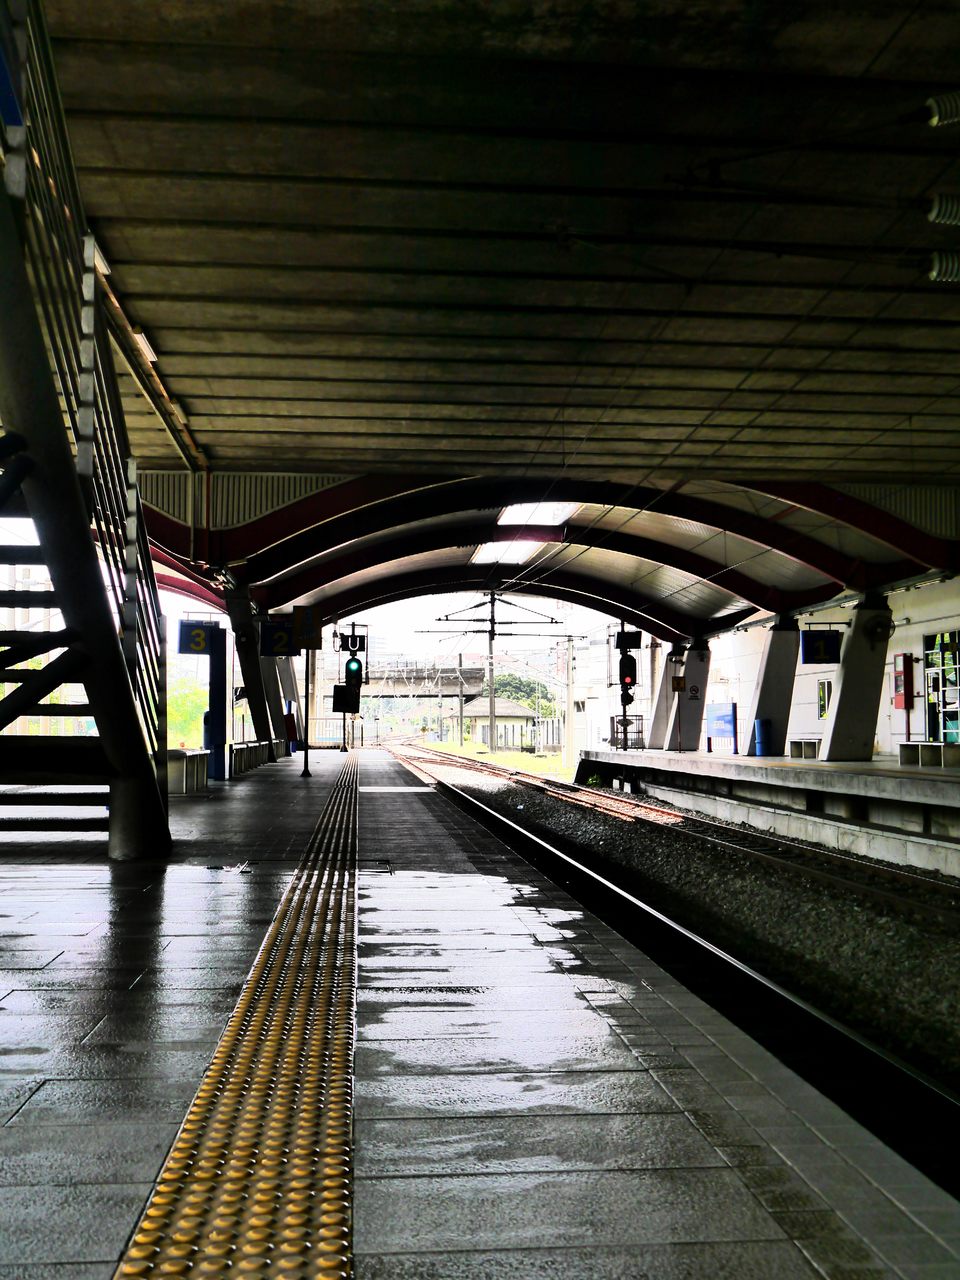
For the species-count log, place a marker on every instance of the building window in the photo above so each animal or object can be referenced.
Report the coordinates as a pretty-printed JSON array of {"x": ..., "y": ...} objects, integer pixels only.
[
  {"x": 824, "y": 694},
  {"x": 941, "y": 670}
]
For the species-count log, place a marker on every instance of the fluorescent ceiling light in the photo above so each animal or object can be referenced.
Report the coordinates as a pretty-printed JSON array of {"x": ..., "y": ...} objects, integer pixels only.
[
  {"x": 99, "y": 261},
  {"x": 140, "y": 338},
  {"x": 504, "y": 552},
  {"x": 541, "y": 513}
]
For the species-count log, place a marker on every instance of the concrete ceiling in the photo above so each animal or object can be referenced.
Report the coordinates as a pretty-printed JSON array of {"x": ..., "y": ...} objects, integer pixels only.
[{"x": 653, "y": 244}]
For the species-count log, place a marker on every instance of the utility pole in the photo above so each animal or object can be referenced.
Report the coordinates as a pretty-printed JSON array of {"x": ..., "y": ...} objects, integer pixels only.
[
  {"x": 311, "y": 700},
  {"x": 492, "y": 708},
  {"x": 568, "y": 725},
  {"x": 306, "y": 733},
  {"x": 460, "y": 684}
]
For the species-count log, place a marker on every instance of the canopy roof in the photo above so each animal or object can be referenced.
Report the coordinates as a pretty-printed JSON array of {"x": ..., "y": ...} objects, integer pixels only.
[{"x": 670, "y": 260}]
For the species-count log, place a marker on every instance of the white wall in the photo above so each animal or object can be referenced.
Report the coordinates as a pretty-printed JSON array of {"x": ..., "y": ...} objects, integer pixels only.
[
  {"x": 735, "y": 661},
  {"x": 916, "y": 612}
]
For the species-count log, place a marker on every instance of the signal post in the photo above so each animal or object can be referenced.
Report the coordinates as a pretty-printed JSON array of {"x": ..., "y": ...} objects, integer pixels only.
[{"x": 625, "y": 641}]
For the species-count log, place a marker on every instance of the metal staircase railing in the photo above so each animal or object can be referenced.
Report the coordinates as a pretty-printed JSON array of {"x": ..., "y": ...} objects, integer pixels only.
[{"x": 67, "y": 446}]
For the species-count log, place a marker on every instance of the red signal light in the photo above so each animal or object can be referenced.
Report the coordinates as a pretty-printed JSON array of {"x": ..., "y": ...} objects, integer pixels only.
[{"x": 628, "y": 669}]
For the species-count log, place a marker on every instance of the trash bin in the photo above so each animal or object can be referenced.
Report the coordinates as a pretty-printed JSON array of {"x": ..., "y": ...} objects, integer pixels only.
[{"x": 761, "y": 737}]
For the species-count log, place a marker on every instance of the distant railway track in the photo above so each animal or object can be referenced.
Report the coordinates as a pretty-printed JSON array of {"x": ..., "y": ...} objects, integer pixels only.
[{"x": 907, "y": 892}]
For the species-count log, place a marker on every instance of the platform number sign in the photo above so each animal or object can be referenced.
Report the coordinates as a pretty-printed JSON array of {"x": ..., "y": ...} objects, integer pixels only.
[
  {"x": 277, "y": 639},
  {"x": 308, "y": 626},
  {"x": 821, "y": 647},
  {"x": 195, "y": 637}
]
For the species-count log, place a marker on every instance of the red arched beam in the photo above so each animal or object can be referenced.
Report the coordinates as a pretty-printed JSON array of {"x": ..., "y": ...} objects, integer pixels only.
[
  {"x": 184, "y": 587},
  {"x": 332, "y": 530},
  {"x": 929, "y": 550},
  {"x": 474, "y": 532},
  {"x": 225, "y": 545},
  {"x": 653, "y": 616},
  {"x": 161, "y": 557}
]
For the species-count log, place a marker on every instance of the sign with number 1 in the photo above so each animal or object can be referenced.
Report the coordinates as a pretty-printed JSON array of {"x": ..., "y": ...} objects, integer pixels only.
[{"x": 820, "y": 646}]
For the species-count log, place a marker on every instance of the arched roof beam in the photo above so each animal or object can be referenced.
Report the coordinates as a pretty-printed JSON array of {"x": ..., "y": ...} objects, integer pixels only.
[
  {"x": 327, "y": 520},
  {"x": 193, "y": 590},
  {"x": 882, "y": 526},
  {"x": 659, "y": 619},
  {"x": 356, "y": 559}
]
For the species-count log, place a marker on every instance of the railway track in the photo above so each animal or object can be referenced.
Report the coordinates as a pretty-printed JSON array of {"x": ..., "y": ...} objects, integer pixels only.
[
  {"x": 907, "y": 892},
  {"x": 915, "y": 1114}
]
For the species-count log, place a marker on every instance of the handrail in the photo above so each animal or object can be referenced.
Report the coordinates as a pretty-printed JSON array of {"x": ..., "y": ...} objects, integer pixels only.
[{"x": 61, "y": 259}]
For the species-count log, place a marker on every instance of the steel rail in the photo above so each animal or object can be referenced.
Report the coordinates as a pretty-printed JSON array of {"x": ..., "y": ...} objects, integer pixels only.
[
  {"x": 861, "y": 1076},
  {"x": 780, "y": 852}
]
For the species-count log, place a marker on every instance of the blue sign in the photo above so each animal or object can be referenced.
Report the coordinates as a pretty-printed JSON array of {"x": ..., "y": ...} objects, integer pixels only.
[
  {"x": 276, "y": 638},
  {"x": 10, "y": 111},
  {"x": 821, "y": 647},
  {"x": 196, "y": 637},
  {"x": 722, "y": 720}
]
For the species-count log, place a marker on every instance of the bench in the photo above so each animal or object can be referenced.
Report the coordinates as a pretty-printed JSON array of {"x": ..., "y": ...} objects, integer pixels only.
[
  {"x": 931, "y": 755},
  {"x": 245, "y": 756},
  {"x": 804, "y": 748},
  {"x": 186, "y": 771}
]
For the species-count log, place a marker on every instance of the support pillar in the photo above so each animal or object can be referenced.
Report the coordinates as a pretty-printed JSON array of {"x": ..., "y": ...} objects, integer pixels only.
[
  {"x": 664, "y": 699},
  {"x": 686, "y": 715},
  {"x": 291, "y": 692},
  {"x": 773, "y": 694},
  {"x": 851, "y": 727},
  {"x": 271, "y": 687},
  {"x": 132, "y": 829},
  {"x": 247, "y": 640},
  {"x": 215, "y": 721}
]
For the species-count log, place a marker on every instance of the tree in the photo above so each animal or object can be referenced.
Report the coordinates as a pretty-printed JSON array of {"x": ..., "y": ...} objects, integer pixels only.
[
  {"x": 523, "y": 689},
  {"x": 186, "y": 703}
]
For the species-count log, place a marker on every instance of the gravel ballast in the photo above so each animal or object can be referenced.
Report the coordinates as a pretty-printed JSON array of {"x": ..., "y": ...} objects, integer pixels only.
[{"x": 896, "y": 980}]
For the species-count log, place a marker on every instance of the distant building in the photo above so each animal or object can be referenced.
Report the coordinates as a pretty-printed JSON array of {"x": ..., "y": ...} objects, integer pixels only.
[{"x": 514, "y": 721}]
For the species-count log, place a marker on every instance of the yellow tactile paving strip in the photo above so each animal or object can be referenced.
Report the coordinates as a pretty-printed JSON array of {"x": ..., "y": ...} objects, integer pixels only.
[{"x": 257, "y": 1182}]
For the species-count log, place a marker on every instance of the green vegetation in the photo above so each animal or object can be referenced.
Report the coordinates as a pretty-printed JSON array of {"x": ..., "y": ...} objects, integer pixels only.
[
  {"x": 550, "y": 766},
  {"x": 523, "y": 690},
  {"x": 186, "y": 703}
]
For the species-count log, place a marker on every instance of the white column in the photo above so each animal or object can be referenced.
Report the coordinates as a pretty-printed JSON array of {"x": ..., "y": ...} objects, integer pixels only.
[
  {"x": 663, "y": 699},
  {"x": 773, "y": 694},
  {"x": 686, "y": 714},
  {"x": 851, "y": 727}
]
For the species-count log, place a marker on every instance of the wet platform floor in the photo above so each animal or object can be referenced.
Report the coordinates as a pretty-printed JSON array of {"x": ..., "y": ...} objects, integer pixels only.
[{"x": 534, "y": 1097}]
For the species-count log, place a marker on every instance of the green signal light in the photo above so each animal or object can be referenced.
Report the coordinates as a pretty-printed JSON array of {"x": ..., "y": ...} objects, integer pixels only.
[{"x": 353, "y": 673}]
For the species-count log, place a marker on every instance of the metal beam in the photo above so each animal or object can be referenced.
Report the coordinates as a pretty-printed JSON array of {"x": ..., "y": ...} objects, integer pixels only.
[
  {"x": 881, "y": 526},
  {"x": 66, "y": 668},
  {"x": 651, "y": 615},
  {"x": 331, "y": 519},
  {"x": 247, "y": 637},
  {"x": 400, "y": 544}
]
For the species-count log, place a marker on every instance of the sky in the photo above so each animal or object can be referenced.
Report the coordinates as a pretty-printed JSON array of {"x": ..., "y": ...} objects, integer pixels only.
[{"x": 415, "y": 628}]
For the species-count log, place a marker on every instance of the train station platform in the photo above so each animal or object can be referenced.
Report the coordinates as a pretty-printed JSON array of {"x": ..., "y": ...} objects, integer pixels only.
[
  {"x": 530, "y": 1095},
  {"x": 878, "y": 808}
]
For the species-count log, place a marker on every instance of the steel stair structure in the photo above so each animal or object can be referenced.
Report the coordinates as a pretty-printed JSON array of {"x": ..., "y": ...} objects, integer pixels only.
[{"x": 86, "y": 647}]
